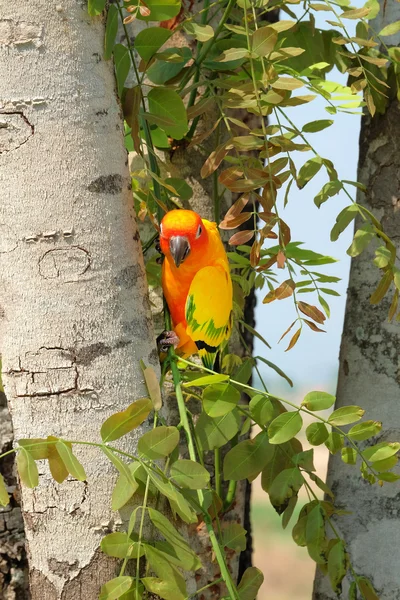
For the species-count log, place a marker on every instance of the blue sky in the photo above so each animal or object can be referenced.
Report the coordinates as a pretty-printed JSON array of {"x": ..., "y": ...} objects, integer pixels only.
[{"x": 313, "y": 362}]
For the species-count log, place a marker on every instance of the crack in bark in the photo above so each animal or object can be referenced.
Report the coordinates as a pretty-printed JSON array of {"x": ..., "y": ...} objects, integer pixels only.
[{"x": 10, "y": 142}]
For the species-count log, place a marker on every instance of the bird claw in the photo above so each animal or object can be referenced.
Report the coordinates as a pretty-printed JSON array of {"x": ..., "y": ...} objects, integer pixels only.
[{"x": 167, "y": 339}]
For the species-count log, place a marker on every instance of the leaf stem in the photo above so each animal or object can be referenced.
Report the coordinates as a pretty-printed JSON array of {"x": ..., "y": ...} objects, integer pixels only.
[{"x": 192, "y": 453}]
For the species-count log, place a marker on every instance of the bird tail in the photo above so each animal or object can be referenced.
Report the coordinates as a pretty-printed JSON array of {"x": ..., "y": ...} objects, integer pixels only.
[{"x": 209, "y": 359}]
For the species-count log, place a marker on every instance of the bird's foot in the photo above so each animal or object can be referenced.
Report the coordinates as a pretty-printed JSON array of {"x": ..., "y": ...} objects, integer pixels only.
[{"x": 166, "y": 339}]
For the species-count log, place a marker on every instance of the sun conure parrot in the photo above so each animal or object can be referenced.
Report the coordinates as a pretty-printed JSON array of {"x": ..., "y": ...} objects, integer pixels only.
[{"x": 197, "y": 284}]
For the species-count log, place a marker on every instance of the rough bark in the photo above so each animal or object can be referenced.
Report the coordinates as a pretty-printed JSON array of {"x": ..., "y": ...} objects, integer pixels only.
[
  {"x": 13, "y": 562},
  {"x": 75, "y": 318},
  {"x": 369, "y": 372}
]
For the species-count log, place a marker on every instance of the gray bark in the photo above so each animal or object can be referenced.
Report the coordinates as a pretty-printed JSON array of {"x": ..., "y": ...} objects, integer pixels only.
[
  {"x": 75, "y": 318},
  {"x": 70, "y": 256},
  {"x": 13, "y": 561},
  {"x": 369, "y": 372}
]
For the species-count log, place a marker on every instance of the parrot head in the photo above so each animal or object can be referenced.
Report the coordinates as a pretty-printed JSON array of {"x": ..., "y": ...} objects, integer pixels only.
[{"x": 181, "y": 233}]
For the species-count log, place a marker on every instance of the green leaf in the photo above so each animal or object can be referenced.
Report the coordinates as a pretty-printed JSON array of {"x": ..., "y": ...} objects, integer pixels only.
[
  {"x": 164, "y": 569},
  {"x": 304, "y": 460},
  {"x": 37, "y": 447},
  {"x": 124, "y": 488},
  {"x": 261, "y": 409},
  {"x": 214, "y": 433},
  {"x": 70, "y": 461},
  {"x": 299, "y": 531},
  {"x": 334, "y": 443},
  {"x": 184, "y": 191},
  {"x": 383, "y": 257},
  {"x": 357, "y": 13},
  {"x": 233, "y": 54},
  {"x": 161, "y": 10},
  {"x": 280, "y": 460},
  {"x": 362, "y": 238},
  {"x": 381, "y": 451},
  {"x": 203, "y": 33},
  {"x": 285, "y": 427},
  {"x": 27, "y": 468},
  {"x": 389, "y": 477},
  {"x": 264, "y": 41},
  {"x": 364, "y": 430},
  {"x": 113, "y": 589},
  {"x": 120, "y": 545},
  {"x": 331, "y": 188},
  {"x": 390, "y": 29},
  {"x": 190, "y": 474},
  {"x": 207, "y": 380},
  {"x": 288, "y": 512},
  {"x": 234, "y": 537},
  {"x": 167, "y": 103},
  {"x": 122, "y": 467},
  {"x": 149, "y": 41},
  {"x": 57, "y": 468},
  {"x": 337, "y": 565},
  {"x": 162, "y": 71},
  {"x": 315, "y": 534},
  {"x": 177, "y": 502},
  {"x": 163, "y": 589},
  {"x": 349, "y": 455},
  {"x": 248, "y": 458},
  {"x": 308, "y": 171},
  {"x": 396, "y": 277},
  {"x": 159, "y": 442},
  {"x": 353, "y": 591},
  {"x": 4, "y": 497},
  {"x": 317, "y": 434},
  {"x": 219, "y": 399},
  {"x": 256, "y": 334},
  {"x": 245, "y": 371},
  {"x": 285, "y": 485},
  {"x": 121, "y": 423},
  {"x": 276, "y": 369},
  {"x": 96, "y": 7},
  {"x": 111, "y": 31},
  {"x": 346, "y": 415},
  {"x": 122, "y": 62},
  {"x": 383, "y": 287},
  {"x": 321, "y": 484},
  {"x": 344, "y": 218},
  {"x": 318, "y": 401},
  {"x": 386, "y": 463},
  {"x": 315, "y": 126},
  {"x": 168, "y": 531},
  {"x": 287, "y": 83},
  {"x": 329, "y": 291},
  {"x": 250, "y": 584}
]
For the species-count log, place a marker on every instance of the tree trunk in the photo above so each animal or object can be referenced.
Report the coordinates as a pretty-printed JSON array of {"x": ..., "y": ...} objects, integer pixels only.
[
  {"x": 13, "y": 562},
  {"x": 369, "y": 367},
  {"x": 75, "y": 318}
]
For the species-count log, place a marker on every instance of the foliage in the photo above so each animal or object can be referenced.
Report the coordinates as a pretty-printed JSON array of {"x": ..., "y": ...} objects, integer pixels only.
[{"x": 235, "y": 60}]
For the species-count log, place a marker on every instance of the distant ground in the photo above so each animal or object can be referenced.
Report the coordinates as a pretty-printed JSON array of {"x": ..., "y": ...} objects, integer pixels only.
[{"x": 288, "y": 570}]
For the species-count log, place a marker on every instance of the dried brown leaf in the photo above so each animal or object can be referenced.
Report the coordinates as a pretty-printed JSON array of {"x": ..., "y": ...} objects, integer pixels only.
[
  {"x": 294, "y": 339},
  {"x": 241, "y": 237},
  {"x": 312, "y": 311}
]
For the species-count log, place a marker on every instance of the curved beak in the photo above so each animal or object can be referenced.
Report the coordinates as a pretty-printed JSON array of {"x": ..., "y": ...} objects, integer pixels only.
[{"x": 179, "y": 247}]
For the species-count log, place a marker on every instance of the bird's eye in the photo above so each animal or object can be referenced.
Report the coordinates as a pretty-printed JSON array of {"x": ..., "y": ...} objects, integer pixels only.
[{"x": 199, "y": 231}]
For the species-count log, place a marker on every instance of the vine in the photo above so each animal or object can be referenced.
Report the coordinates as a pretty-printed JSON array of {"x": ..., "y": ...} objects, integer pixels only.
[{"x": 236, "y": 62}]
